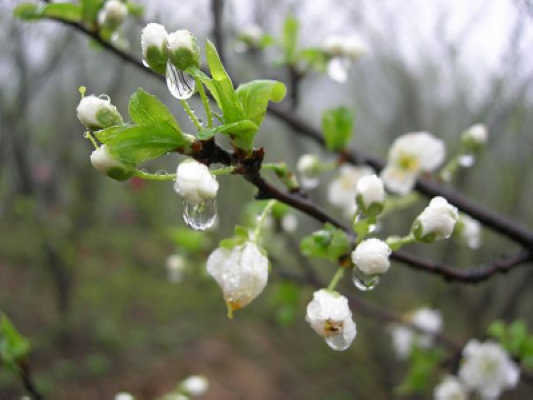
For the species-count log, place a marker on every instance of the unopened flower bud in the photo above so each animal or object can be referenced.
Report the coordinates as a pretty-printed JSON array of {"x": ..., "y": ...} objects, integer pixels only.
[
  {"x": 241, "y": 273},
  {"x": 330, "y": 317},
  {"x": 104, "y": 162},
  {"x": 436, "y": 222},
  {"x": 194, "y": 182},
  {"x": 98, "y": 113},
  {"x": 370, "y": 195},
  {"x": 475, "y": 137},
  {"x": 112, "y": 14},
  {"x": 309, "y": 169},
  {"x": 183, "y": 51},
  {"x": 371, "y": 256},
  {"x": 154, "y": 47},
  {"x": 450, "y": 388}
]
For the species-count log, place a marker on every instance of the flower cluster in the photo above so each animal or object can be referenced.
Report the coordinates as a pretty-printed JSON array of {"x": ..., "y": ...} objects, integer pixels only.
[
  {"x": 486, "y": 369},
  {"x": 112, "y": 14},
  {"x": 330, "y": 317},
  {"x": 404, "y": 338}
]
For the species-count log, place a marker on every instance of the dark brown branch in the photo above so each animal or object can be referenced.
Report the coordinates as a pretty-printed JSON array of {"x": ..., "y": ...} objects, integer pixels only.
[
  {"x": 488, "y": 218},
  {"x": 27, "y": 380},
  {"x": 217, "y": 7}
]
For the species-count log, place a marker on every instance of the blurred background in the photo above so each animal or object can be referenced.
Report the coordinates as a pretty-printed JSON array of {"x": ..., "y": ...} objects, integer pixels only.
[{"x": 83, "y": 258}]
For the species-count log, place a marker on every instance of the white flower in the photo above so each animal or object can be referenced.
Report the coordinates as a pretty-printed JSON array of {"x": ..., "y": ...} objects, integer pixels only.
[
  {"x": 371, "y": 256},
  {"x": 241, "y": 273},
  {"x": 175, "y": 265},
  {"x": 330, "y": 317},
  {"x": 309, "y": 169},
  {"x": 410, "y": 155},
  {"x": 289, "y": 223},
  {"x": 97, "y": 112},
  {"x": 154, "y": 47},
  {"x": 251, "y": 35},
  {"x": 195, "y": 385},
  {"x": 183, "y": 50},
  {"x": 475, "y": 136},
  {"x": 104, "y": 162},
  {"x": 351, "y": 46},
  {"x": 450, "y": 388},
  {"x": 468, "y": 231},
  {"x": 488, "y": 369},
  {"x": 370, "y": 194},
  {"x": 436, "y": 222},
  {"x": 194, "y": 182},
  {"x": 113, "y": 13},
  {"x": 404, "y": 338},
  {"x": 342, "y": 190},
  {"x": 124, "y": 396}
]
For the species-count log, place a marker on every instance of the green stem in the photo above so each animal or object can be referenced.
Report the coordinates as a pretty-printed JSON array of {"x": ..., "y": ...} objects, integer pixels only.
[
  {"x": 89, "y": 135},
  {"x": 450, "y": 169},
  {"x": 262, "y": 219},
  {"x": 284, "y": 174},
  {"x": 191, "y": 115},
  {"x": 336, "y": 278},
  {"x": 154, "y": 177},
  {"x": 396, "y": 242},
  {"x": 205, "y": 102},
  {"x": 222, "y": 171}
]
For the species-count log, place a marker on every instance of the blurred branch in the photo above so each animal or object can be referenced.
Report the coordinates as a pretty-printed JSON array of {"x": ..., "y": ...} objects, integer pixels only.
[
  {"x": 27, "y": 380},
  {"x": 429, "y": 188},
  {"x": 217, "y": 8}
]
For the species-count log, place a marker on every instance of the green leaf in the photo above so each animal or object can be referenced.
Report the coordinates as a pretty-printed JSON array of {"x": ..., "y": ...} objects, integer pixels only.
[
  {"x": 13, "y": 346},
  {"x": 139, "y": 143},
  {"x": 315, "y": 58},
  {"x": 337, "y": 125},
  {"x": 63, "y": 11},
  {"x": 340, "y": 245},
  {"x": 145, "y": 108},
  {"x": 234, "y": 130},
  {"x": 330, "y": 243},
  {"x": 190, "y": 241},
  {"x": 517, "y": 336},
  {"x": 89, "y": 11},
  {"x": 290, "y": 38},
  {"x": 28, "y": 11},
  {"x": 497, "y": 330},
  {"x": 255, "y": 95},
  {"x": 135, "y": 10}
]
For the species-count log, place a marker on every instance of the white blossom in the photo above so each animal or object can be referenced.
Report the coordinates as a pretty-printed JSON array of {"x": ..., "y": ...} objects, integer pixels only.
[
  {"x": 124, "y": 396},
  {"x": 289, "y": 223},
  {"x": 112, "y": 13},
  {"x": 194, "y": 182},
  {"x": 410, "y": 155},
  {"x": 469, "y": 231},
  {"x": 154, "y": 40},
  {"x": 97, "y": 112},
  {"x": 175, "y": 265},
  {"x": 450, "y": 388},
  {"x": 181, "y": 39},
  {"x": 195, "y": 385},
  {"x": 309, "y": 169},
  {"x": 330, "y": 317},
  {"x": 104, "y": 162},
  {"x": 241, "y": 272},
  {"x": 370, "y": 194},
  {"x": 371, "y": 256},
  {"x": 342, "y": 190},
  {"x": 404, "y": 337},
  {"x": 350, "y": 46},
  {"x": 251, "y": 35},
  {"x": 436, "y": 222},
  {"x": 488, "y": 369},
  {"x": 475, "y": 136},
  {"x": 183, "y": 50}
]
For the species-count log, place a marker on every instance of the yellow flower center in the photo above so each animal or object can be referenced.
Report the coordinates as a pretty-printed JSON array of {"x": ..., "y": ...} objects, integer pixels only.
[{"x": 408, "y": 163}]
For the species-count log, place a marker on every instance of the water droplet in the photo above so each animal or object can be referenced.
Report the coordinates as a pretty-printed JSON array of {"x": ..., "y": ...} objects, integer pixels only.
[
  {"x": 309, "y": 183},
  {"x": 364, "y": 282},
  {"x": 180, "y": 84},
  {"x": 145, "y": 63},
  {"x": 161, "y": 172},
  {"x": 200, "y": 216},
  {"x": 337, "y": 342},
  {"x": 467, "y": 160},
  {"x": 105, "y": 97},
  {"x": 338, "y": 68}
]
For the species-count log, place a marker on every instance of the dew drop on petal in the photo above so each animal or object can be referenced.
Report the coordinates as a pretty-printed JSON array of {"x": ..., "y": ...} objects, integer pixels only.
[
  {"x": 145, "y": 63},
  {"x": 105, "y": 97},
  {"x": 364, "y": 282},
  {"x": 338, "y": 68},
  {"x": 337, "y": 342},
  {"x": 467, "y": 160},
  {"x": 200, "y": 216},
  {"x": 180, "y": 84}
]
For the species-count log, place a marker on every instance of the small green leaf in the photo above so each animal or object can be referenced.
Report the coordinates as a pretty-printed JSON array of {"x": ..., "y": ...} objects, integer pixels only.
[
  {"x": 497, "y": 330},
  {"x": 28, "y": 11},
  {"x": 340, "y": 245},
  {"x": 135, "y": 10},
  {"x": 255, "y": 95},
  {"x": 233, "y": 130},
  {"x": 315, "y": 58},
  {"x": 337, "y": 125},
  {"x": 13, "y": 346},
  {"x": 517, "y": 336},
  {"x": 330, "y": 243},
  {"x": 63, "y": 11},
  {"x": 89, "y": 11},
  {"x": 145, "y": 108},
  {"x": 190, "y": 241},
  {"x": 139, "y": 143},
  {"x": 290, "y": 38}
]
